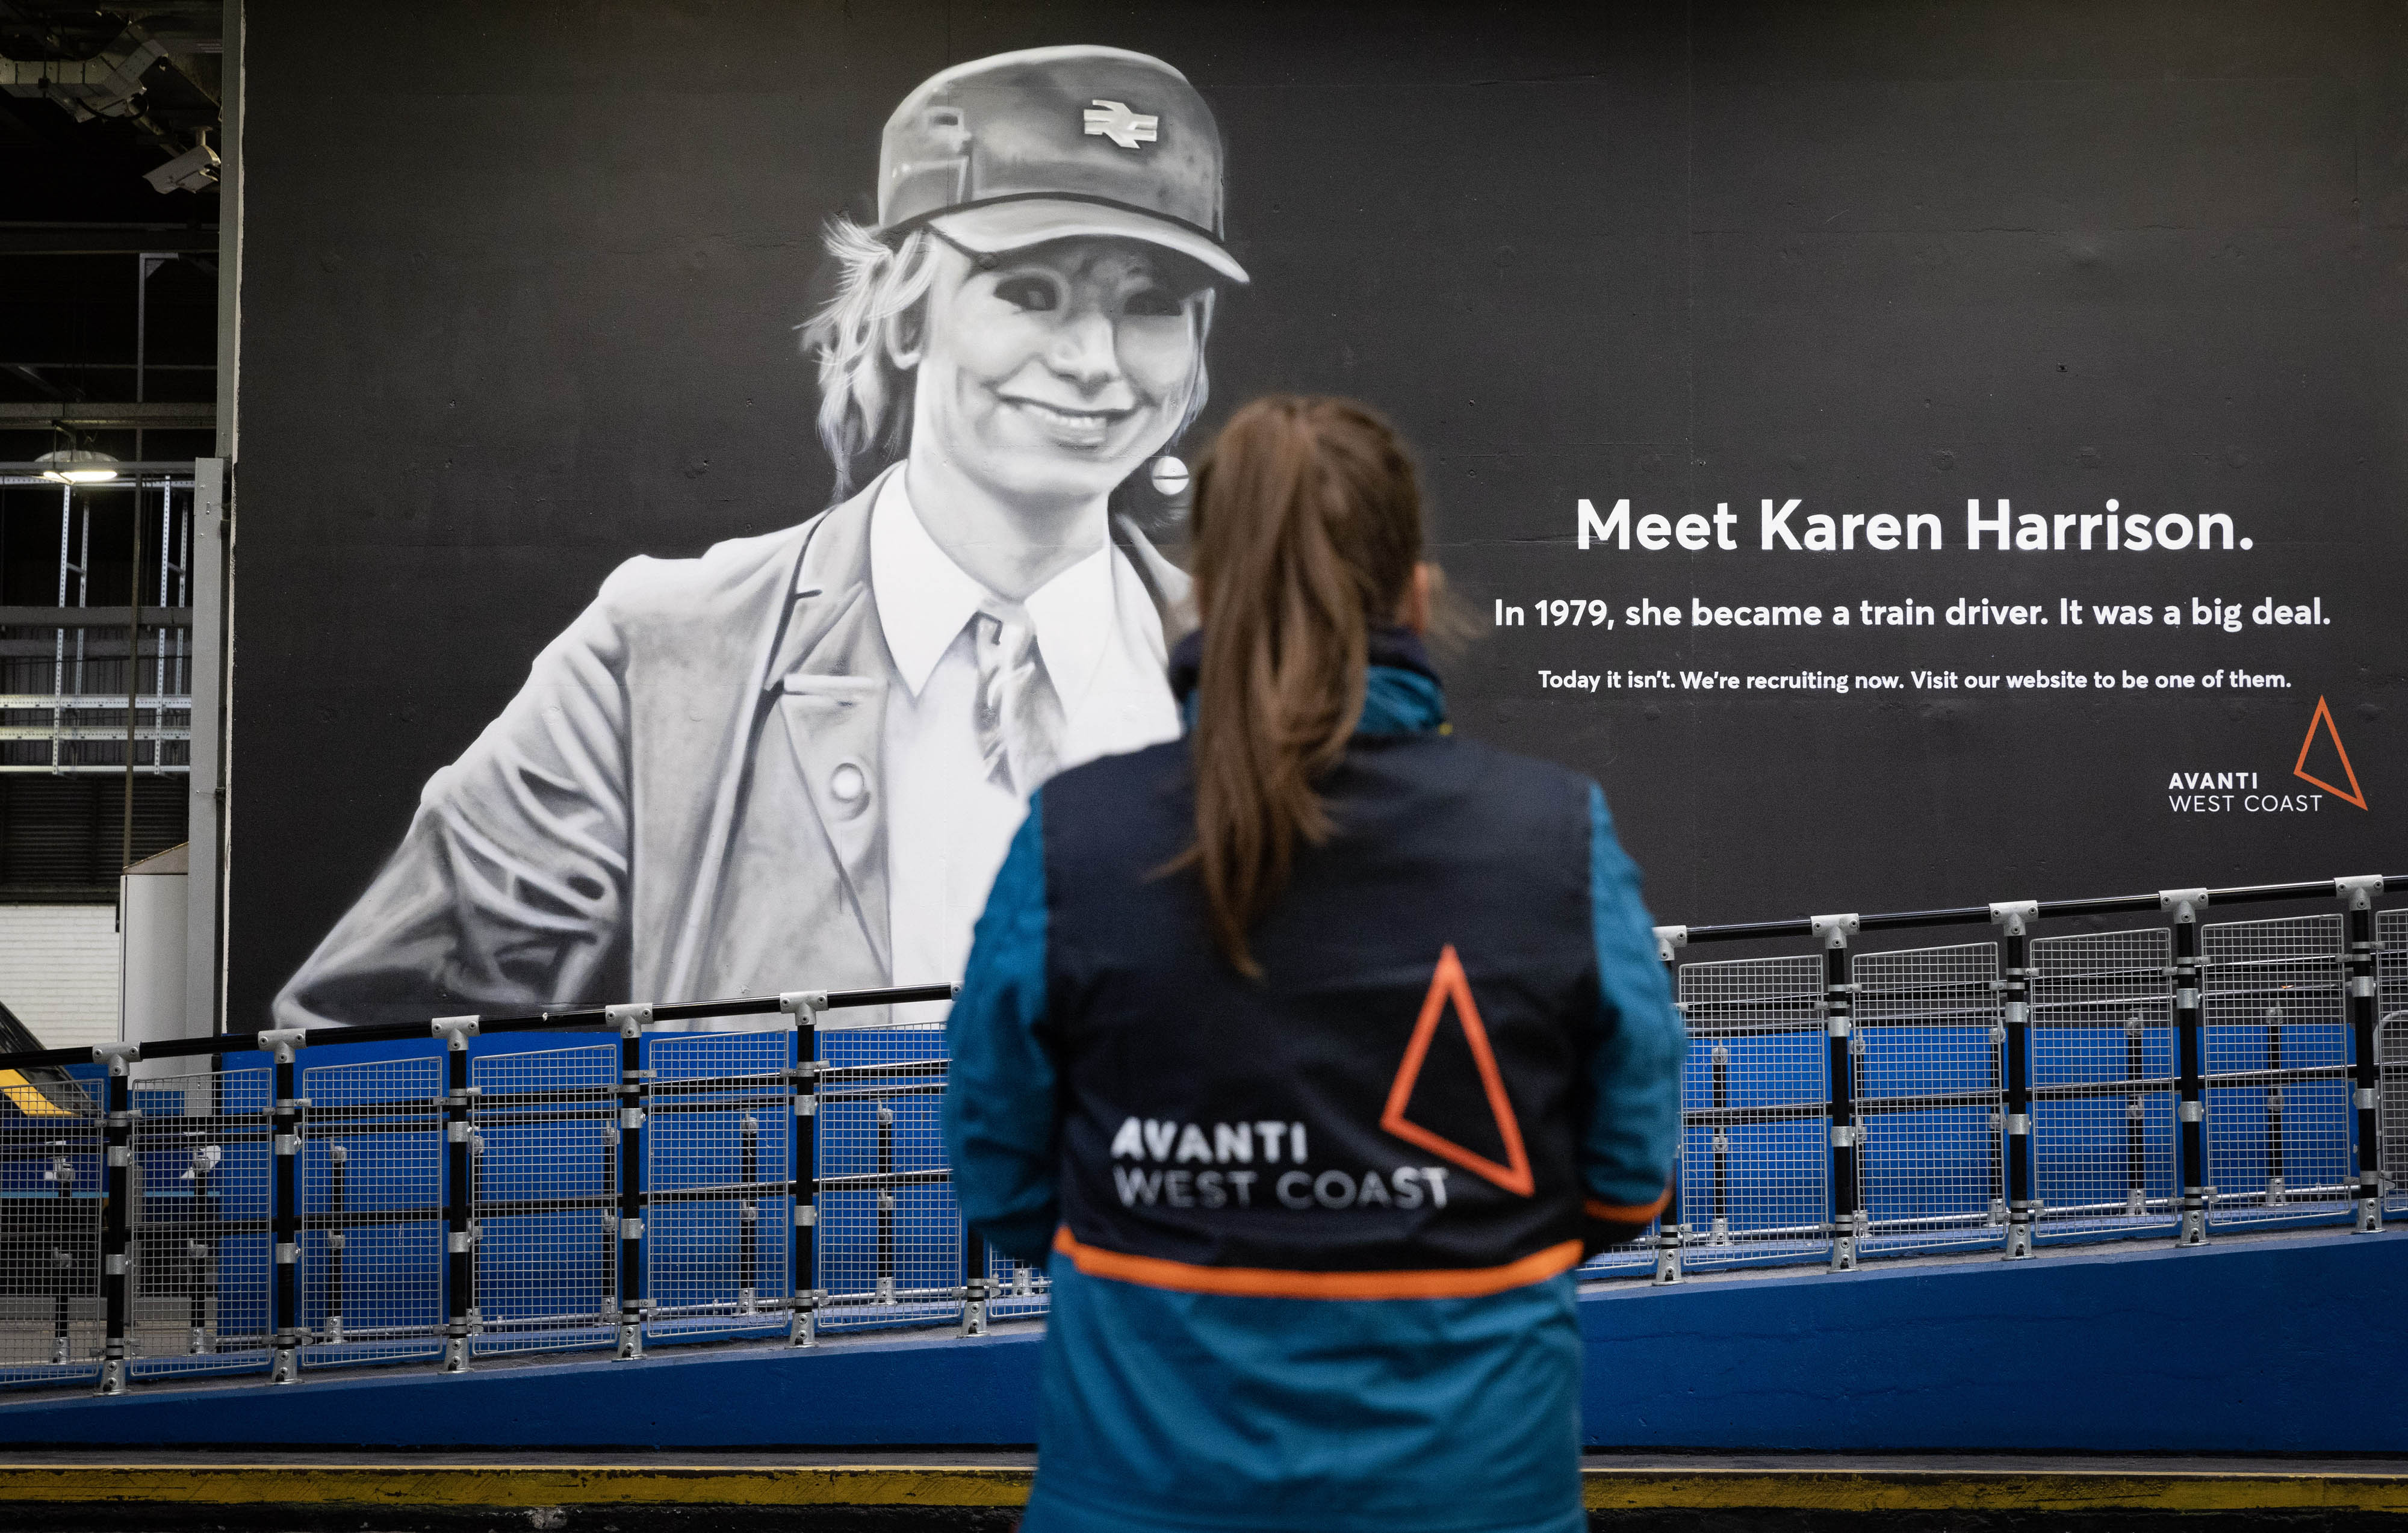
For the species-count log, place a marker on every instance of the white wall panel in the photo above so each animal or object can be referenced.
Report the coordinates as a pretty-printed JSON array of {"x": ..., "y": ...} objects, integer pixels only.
[{"x": 59, "y": 971}]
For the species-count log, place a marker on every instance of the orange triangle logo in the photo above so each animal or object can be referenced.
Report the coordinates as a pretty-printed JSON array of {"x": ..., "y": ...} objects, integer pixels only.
[
  {"x": 2353, "y": 794},
  {"x": 1447, "y": 984}
]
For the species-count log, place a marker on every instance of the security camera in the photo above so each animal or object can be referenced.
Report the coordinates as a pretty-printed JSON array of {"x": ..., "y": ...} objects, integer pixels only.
[{"x": 190, "y": 171}]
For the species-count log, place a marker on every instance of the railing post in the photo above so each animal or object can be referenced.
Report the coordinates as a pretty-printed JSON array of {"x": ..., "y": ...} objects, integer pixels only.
[
  {"x": 2189, "y": 1063},
  {"x": 2358, "y": 901},
  {"x": 1667, "y": 1227},
  {"x": 630, "y": 1021},
  {"x": 885, "y": 1285},
  {"x": 2015, "y": 1015},
  {"x": 117, "y": 1212},
  {"x": 802, "y": 1327},
  {"x": 459, "y": 1194},
  {"x": 2277, "y": 1173},
  {"x": 974, "y": 1284},
  {"x": 65, "y": 1258},
  {"x": 975, "y": 1288},
  {"x": 2136, "y": 1122},
  {"x": 339, "y": 1160},
  {"x": 284, "y": 1192},
  {"x": 748, "y": 1215},
  {"x": 1718, "y": 1066},
  {"x": 1847, "y": 1133},
  {"x": 202, "y": 1246}
]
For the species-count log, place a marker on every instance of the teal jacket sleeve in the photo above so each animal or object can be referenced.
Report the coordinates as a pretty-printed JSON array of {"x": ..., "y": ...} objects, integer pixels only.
[
  {"x": 1000, "y": 1121},
  {"x": 1634, "y": 1128}
]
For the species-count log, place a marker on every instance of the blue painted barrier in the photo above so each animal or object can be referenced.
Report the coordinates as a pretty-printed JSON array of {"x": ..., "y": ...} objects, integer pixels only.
[{"x": 2267, "y": 1344}]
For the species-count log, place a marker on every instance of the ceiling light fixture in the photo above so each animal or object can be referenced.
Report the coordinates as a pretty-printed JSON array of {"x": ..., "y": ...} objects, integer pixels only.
[{"x": 77, "y": 466}]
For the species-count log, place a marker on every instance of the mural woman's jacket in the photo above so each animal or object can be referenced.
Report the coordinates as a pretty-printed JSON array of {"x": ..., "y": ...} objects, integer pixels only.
[
  {"x": 1351, "y": 1194},
  {"x": 684, "y": 801}
]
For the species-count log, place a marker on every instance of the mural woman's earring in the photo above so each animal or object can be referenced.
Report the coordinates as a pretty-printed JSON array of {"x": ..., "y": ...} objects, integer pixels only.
[{"x": 1168, "y": 476}]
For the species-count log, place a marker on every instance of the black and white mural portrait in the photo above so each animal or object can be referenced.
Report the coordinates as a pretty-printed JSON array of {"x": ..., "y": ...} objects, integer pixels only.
[
  {"x": 803, "y": 753},
  {"x": 701, "y": 463}
]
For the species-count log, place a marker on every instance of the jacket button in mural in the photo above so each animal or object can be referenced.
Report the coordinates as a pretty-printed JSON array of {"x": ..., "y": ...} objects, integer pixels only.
[{"x": 850, "y": 787}]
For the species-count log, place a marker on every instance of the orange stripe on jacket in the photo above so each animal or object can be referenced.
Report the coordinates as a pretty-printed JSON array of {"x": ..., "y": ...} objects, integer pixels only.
[
  {"x": 1627, "y": 1214},
  {"x": 1274, "y": 1282}
]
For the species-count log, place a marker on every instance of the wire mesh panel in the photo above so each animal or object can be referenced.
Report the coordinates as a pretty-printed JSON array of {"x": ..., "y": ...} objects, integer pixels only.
[
  {"x": 201, "y": 1238},
  {"x": 1634, "y": 1257},
  {"x": 49, "y": 1250},
  {"x": 371, "y": 1186},
  {"x": 889, "y": 1243},
  {"x": 2102, "y": 1077},
  {"x": 2392, "y": 1052},
  {"x": 1756, "y": 1166},
  {"x": 718, "y": 1145},
  {"x": 545, "y": 1186},
  {"x": 2277, "y": 1057},
  {"x": 1016, "y": 1290},
  {"x": 1926, "y": 1048}
]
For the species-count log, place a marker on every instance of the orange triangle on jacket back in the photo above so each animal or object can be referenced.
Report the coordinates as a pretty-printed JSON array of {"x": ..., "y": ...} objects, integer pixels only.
[{"x": 1448, "y": 984}]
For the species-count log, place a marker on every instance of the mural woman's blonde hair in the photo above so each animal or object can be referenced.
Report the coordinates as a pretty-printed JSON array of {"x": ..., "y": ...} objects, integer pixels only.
[{"x": 865, "y": 399}]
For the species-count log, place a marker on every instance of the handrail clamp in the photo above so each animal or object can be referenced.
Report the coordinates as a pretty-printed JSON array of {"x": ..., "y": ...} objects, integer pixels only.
[
  {"x": 2359, "y": 893},
  {"x": 2015, "y": 915},
  {"x": 455, "y": 1032}
]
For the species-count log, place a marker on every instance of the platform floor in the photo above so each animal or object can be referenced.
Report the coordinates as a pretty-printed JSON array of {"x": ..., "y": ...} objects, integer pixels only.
[{"x": 263, "y": 1490}]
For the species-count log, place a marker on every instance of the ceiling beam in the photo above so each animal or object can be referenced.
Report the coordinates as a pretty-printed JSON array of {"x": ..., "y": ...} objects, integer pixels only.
[
  {"x": 106, "y": 239},
  {"x": 93, "y": 617},
  {"x": 24, "y": 415}
]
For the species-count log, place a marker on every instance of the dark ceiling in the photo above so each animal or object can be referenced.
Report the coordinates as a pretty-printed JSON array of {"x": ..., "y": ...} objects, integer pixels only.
[
  {"x": 76, "y": 211},
  {"x": 54, "y": 168}
]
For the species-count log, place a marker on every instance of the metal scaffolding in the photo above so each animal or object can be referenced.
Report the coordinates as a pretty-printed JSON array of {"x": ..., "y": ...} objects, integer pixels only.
[{"x": 81, "y": 686}]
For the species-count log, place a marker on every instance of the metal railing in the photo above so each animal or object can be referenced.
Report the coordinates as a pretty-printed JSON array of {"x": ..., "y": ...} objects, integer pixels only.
[
  {"x": 2171, "y": 1079},
  {"x": 475, "y": 1186},
  {"x": 282, "y": 1202}
]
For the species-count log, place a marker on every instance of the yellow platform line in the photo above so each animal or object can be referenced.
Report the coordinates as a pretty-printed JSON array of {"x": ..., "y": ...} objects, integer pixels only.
[
  {"x": 516, "y": 1485},
  {"x": 969, "y": 1485},
  {"x": 1992, "y": 1490}
]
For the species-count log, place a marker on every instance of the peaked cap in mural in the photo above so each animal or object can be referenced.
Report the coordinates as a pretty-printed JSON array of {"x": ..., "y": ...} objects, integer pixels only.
[{"x": 1056, "y": 143}]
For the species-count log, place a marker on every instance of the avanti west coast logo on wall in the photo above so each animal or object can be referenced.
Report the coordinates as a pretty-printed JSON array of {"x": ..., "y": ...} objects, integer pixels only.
[{"x": 2323, "y": 762}]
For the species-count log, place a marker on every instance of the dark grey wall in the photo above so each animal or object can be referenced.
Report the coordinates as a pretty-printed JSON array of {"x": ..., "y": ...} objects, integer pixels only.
[{"x": 520, "y": 282}]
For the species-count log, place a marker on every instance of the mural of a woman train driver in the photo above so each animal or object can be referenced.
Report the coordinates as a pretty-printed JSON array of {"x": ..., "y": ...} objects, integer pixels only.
[{"x": 794, "y": 762}]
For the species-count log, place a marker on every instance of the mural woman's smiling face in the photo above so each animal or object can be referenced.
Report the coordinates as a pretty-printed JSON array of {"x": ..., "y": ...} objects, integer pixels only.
[{"x": 1055, "y": 373}]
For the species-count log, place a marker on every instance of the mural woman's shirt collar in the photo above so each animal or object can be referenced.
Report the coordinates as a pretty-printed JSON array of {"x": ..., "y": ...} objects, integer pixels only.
[{"x": 924, "y": 599}]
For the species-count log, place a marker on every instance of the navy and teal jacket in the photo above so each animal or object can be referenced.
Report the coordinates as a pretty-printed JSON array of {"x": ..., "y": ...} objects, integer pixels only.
[{"x": 1311, "y": 1236}]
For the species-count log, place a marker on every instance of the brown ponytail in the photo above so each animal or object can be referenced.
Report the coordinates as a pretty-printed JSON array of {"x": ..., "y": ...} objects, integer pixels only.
[{"x": 1308, "y": 526}]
